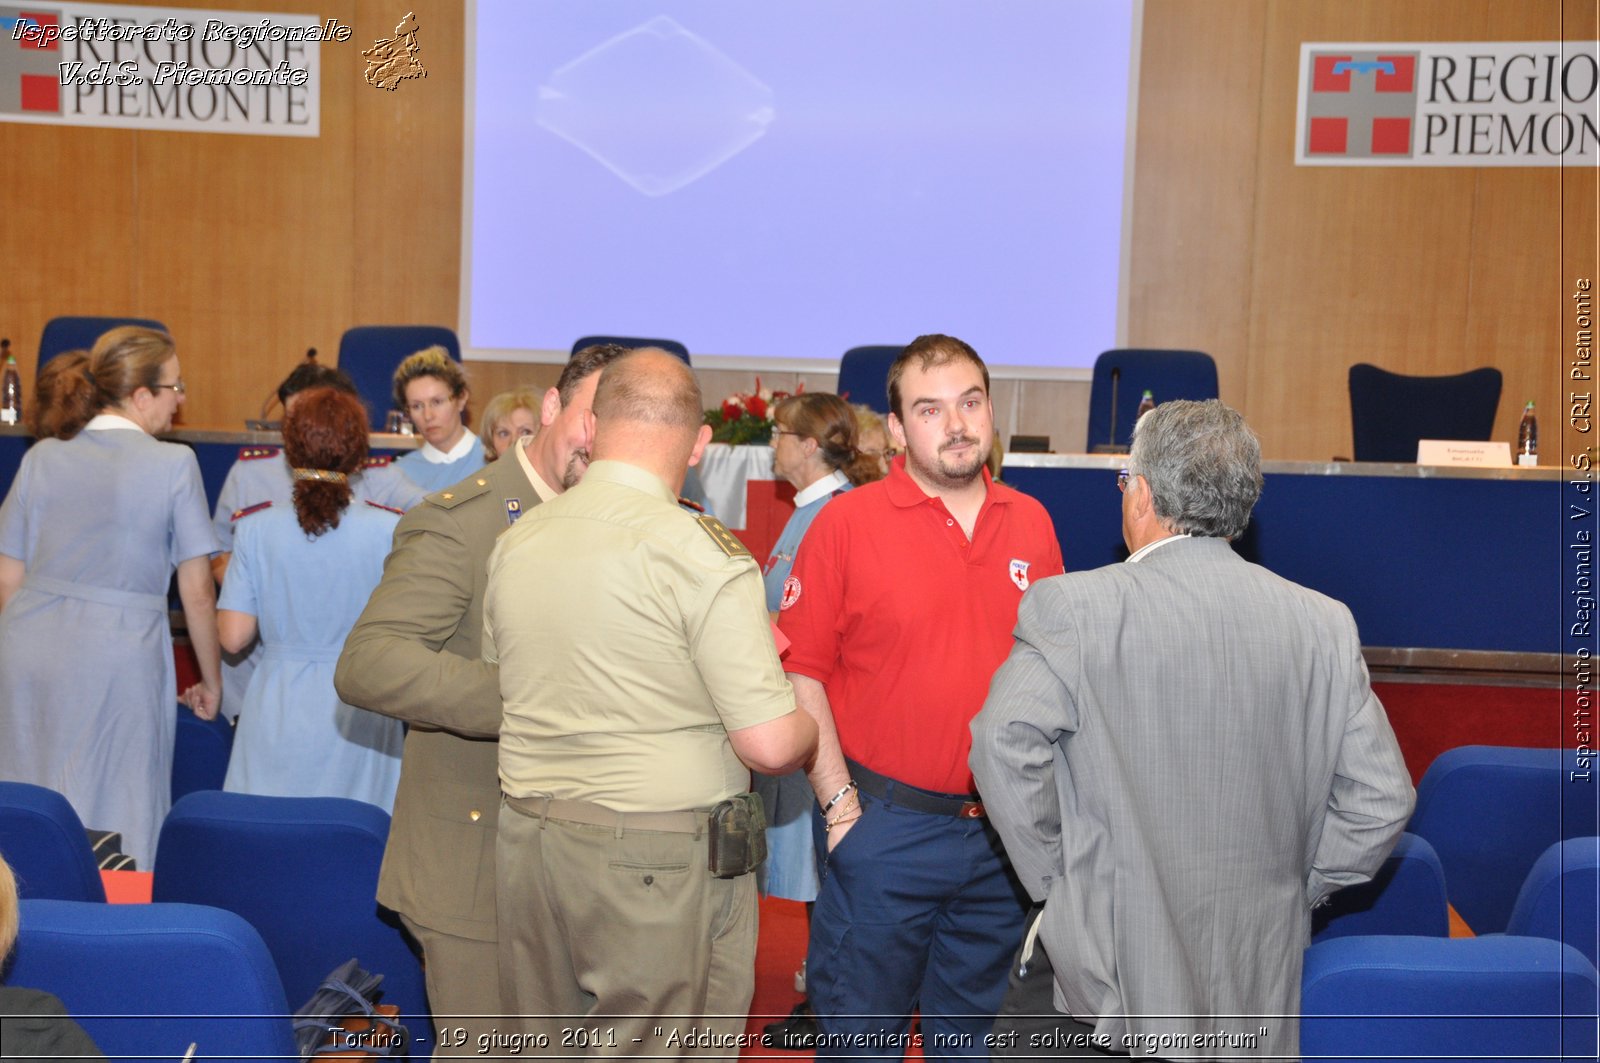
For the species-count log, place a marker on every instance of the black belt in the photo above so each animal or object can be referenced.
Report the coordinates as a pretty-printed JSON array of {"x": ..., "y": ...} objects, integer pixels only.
[{"x": 895, "y": 792}]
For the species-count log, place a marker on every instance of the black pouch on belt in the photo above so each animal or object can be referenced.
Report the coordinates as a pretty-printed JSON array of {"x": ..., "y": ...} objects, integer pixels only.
[{"x": 738, "y": 836}]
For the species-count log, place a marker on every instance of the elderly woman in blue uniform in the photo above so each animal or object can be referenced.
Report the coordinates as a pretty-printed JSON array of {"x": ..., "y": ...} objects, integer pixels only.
[
  {"x": 261, "y": 474},
  {"x": 300, "y": 576},
  {"x": 98, "y": 518},
  {"x": 814, "y": 447},
  {"x": 510, "y": 416},
  {"x": 431, "y": 387}
]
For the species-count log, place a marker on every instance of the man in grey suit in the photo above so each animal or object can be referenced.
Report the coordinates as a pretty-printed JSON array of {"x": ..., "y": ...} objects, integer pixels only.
[
  {"x": 1183, "y": 756},
  {"x": 415, "y": 654}
]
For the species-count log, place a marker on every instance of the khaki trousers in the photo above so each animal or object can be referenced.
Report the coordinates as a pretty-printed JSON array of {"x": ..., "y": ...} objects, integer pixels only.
[
  {"x": 620, "y": 942},
  {"x": 463, "y": 977}
]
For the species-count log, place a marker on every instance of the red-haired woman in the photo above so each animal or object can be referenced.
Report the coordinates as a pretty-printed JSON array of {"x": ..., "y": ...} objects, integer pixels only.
[{"x": 301, "y": 575}]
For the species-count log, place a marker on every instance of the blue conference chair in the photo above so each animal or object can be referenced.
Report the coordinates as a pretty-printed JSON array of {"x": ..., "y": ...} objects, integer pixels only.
[
  {"x": 79, "y": 333},
  {"x": 670, "y": 346},
  {"x": 148, "y": 980},
  {"x": 1391, "y": 412},
  {"x": 1395, "y": 998},
  {"x": 43, "y": 840},
  {"x": 1406, "y": 896},
  {"x": 864, "y": 375},
  {"x": 369, "y": 355},
  {"x": 1122, "y": 376},
  {"x": 303, "y": 871},
  {"x": 1560, "y": 897},
  {"x": 1490, "y": 812},
  {"x": 200, "y": 755}
]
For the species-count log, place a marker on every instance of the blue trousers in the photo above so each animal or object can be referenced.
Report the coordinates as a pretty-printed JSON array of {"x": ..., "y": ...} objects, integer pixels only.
[{"x": 916, "y": 911}]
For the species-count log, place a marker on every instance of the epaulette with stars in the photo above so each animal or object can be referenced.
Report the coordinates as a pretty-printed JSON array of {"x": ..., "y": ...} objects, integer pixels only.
[
  {"x": 247, "y": 510},
  {"x": 378, "y": 461},
  {"x": 257, "y": 453}
]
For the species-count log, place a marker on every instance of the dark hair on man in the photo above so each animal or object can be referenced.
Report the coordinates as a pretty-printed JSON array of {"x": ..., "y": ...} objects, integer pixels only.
[
  {"x": 324, "y": 440},
  {"x": 931, "y": 352},
  {"x": 1203, "y": 465},
  {"x": 73, "y": 387},
  {"x": 649, "y": 387},
  {"x": 309, "y": 374},
  {"x": 584, "y": 363},
  {"x": 830, "y": 421}
]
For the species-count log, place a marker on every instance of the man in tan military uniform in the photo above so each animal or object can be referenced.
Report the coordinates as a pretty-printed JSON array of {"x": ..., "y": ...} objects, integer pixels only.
[
  {"x": 630, "y": 711},
  {"x": 415, "y": 655}
]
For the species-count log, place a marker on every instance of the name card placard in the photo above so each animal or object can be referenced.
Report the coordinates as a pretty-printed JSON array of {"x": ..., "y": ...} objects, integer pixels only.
[{"x": 1482, "y": 454}]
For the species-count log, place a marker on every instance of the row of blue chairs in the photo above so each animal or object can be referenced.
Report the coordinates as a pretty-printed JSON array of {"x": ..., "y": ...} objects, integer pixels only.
[
  {"x": 369, "y": 354},
  {"x": 1389, "y": 411},
  {"x": 295, "y": 879}
]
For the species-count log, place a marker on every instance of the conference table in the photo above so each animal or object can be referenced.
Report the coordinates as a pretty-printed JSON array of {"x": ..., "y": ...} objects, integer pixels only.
[
  {"x": 1456, "y": 576},
  {"x": 1457, "y": 566}
]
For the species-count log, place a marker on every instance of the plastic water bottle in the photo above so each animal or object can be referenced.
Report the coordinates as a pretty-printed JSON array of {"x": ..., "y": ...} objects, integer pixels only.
[
  {"x": 1146, "y": 404},
  {"x": 1528, "y": 437},
  {"x": 10, "y": 387}
]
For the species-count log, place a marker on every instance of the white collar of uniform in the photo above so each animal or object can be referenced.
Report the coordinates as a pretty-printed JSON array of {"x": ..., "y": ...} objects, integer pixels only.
[
  {"x": 433, "y": 454},
  {"x": 540, "y": 488},
  {"x": 1144, "y": 551},
  {"x": 820, "y": 489},
  {"x": 102, "y": 421}
]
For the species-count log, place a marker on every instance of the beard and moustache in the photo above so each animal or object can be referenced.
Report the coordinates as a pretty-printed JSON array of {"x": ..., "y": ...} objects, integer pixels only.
[
  {"x": 577, "y": 465},
  {"x": 950, "y": 473}
]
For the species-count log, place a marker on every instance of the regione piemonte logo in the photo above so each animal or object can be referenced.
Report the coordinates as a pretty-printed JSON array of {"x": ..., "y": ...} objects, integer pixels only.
[
  {"x": 30, "y": 74},
  {"x": 1360, "y": 105}
]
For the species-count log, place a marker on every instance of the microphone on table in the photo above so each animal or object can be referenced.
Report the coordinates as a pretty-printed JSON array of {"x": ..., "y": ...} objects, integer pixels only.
[{"x": 1116, "y": 379}]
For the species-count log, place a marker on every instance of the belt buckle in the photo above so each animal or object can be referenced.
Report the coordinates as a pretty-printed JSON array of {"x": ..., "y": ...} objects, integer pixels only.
[{"x": 971, "y": 810}]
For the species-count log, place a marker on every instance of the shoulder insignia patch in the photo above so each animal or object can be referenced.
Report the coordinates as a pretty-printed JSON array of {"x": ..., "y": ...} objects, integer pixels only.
[
  {"x": 453, "y": 496},
  {"x": 726, "y": 541},
  {"x": 691, "y": 505},
  {"x": 378, "y": 461},
  {"x": 257, "y": 453},
  {"x": 386, "y": 509},
  {"x": 247, "y": 510}
]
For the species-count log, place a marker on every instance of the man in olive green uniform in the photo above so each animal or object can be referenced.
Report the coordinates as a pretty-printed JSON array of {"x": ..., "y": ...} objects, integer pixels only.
[
  {"x": 415, "y": 655},
  {"x": 629, "y": 712}
]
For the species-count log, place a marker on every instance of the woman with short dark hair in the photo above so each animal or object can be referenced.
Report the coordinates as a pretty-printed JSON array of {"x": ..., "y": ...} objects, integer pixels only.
[{"x": 300, "y": 576}]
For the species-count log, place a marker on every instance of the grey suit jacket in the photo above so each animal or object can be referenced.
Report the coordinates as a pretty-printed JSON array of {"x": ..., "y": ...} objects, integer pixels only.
[
  {"x": 1183, "y": 756},
  {"x": 415, "y": 655}
]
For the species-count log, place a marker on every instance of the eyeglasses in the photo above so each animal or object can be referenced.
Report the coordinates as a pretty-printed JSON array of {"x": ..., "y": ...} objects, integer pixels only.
[
  {"x": 887, "y": 453},
  {"x": 776, "y": 432},
  {"x": 418, "y": 408},
  {"x": 179, "y": 387},
  {"x": 1122, "y": 480}
]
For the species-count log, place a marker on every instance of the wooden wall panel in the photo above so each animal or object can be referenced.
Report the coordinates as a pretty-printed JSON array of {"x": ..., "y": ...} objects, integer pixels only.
[
  {"x": 254, "y": 248},
  {"x": 1194, "y": 183}
]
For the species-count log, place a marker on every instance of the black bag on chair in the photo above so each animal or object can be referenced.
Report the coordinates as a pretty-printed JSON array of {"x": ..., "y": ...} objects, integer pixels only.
[{"x": 342, "y": 1016}]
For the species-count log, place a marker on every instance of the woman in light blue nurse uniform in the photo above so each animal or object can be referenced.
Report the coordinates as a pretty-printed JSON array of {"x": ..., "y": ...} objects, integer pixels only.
[
  {"x": 431, "y": 387},
  {"x": 300, "y": 576},
  {"x": 99, "y": 517},
  {"x": 814, "y": 447}
]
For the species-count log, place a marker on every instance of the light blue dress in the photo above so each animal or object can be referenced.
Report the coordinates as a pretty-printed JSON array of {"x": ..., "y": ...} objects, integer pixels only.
[
  {"x": 295, "y": 737},
  {"x": 431, "y": 476},
  {"x": 88, "y": 689},
  {"x": 790, "y": 870},
  {"x": 261, "y": 474}
]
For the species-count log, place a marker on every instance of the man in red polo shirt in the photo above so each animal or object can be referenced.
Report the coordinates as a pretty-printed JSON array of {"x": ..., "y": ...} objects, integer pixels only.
[{"x": 899, "y": 609}]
